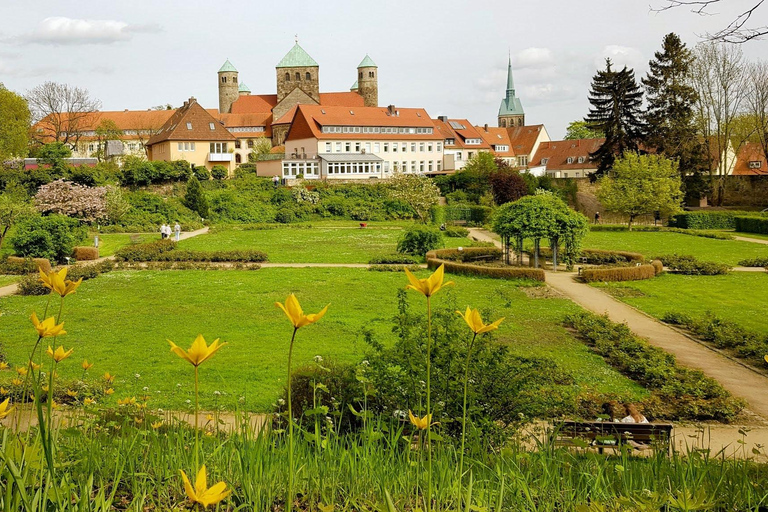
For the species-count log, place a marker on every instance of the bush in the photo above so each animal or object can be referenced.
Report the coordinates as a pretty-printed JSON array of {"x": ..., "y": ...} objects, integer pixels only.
[
  {"x": 689, "y": 265},
  {"x": 456, "y": 232},
  {"x": 219, "y": 172},
  {"x": 468, "y": 254},
  {"x": 707, "y": 220},
  {"x": 52, "y": 237},
  {"x": 194, "y": 198},
  {"x": 201, "y": 173},
  {"x": 17, "y": 266},
  {"x": 285, "y": 216},
  {"x": 614, "y": 274},
  {"x": 85, "y": 253},
  {"x": 471, "y": 214},
  {"x": 754, "y": 262},
  {"x": 166, "y": 250},
  {"x": 598, "y": 256},
  {"x": 658, "y": 266},
  {"x": 31, "y": 285},
  {"x": 656, "y": 229},
  {"x": 244, "y": 170},
  {"x": 677, "y": 393},
  {"x": 752, "y": 224},
  {"x": 388, "y": 259},
  {"x": 393, "y": 268},
  {"x": 443, "y": 257},
  {"x": 418, "y": 240}
]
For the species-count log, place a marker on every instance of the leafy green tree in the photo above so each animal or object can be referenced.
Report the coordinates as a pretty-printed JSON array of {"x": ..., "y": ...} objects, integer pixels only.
[
  {"x": 54, "y": 154},
  {"x": 418, "y": 192},
  {"x": 14, "y": 124},
  {"x": 670, "y": 116},
  {"x": 579, "y": 130},
  {"x": 616, "y": 111},
  {"x": 261, "y": 147},
  {"x": 641, "y": 185},
  {"x": 219, "y": 172},
  {"x": 194, "y": 198},
  {"x": 14, "y": 206}
]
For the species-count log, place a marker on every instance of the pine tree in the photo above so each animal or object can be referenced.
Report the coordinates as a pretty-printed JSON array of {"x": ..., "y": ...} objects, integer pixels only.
[
  {"x": 194, "y": 198},
  {"x": 670, "y": 118},
  {"x": 616, "y": 111}
]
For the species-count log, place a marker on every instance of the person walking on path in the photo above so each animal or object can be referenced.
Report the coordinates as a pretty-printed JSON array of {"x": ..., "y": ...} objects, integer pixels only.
[
  {"x": 177, "y": 230},
  {"x": 275, "y": 181},
  {"x": 597, "y": 217},
  {"x": 162, "y": 231}
]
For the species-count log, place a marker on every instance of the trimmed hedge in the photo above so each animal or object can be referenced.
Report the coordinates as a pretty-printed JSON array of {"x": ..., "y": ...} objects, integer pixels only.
[
  {"x": 704, "y": 220},
  {"x": 468, "y": 254},
  {"x": 662, "y": 229},
  {"x": 393, "y": 268},
  {"x": 598, "y": 256},
  {"x": 393, "y": 259},
  {"x": 658, "y": 266},
  {"x": 615, "y": 274},
  {"x": 165, "y": 250},
  {"x": 754, "y": 262},
  {"x": 690, "y": 266},
  {"x": 85, "y": 253},
  {"x": 752, "y": 225},
  {"x": 31, "y": 285},
  {"x": 27, "y": 265},
  {"x": 676, "y": 392},
  {"x": 438, "y": 257},
  {"x": 470, "y": 213}
]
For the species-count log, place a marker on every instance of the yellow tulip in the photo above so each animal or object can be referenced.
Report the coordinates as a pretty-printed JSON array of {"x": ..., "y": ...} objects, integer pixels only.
[
  {"x": 71, "y": 393},
  {"x": 59, "y": 354},
  {"x": 3, "y": 391},
  {"x": 49, "y": 278},
  {"x": 17, "y": 382},
  {"x": 109, "y": 391},
  {"x": 21, "y": 370},
  {"x": 475, "y": 321},
  {"x": 86, "y": 365},
  {"x": 4, "y": 409},
  {"x": 127, "y": 401},
  {"x": 430, "y": 286},
  {"x": 48, "y": 328},
  {"x": 3, "y": 365},
  {"x": 58, "y": 282},
  {"x": 89, "y": 401},
  {"x": 107, "y": 377},
  {"x": 766, "y": 359},
  {"x": 156, "y": 425},
  {"x": 201, "y": 493},
  {"x": 34, "y": 365},
  {"x": 198, "y": 352},
  {"x": 420, "y": 423},
  {"x": 293, "y": 311}
]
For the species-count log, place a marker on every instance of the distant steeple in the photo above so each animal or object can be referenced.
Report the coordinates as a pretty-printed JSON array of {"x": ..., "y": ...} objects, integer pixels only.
[
  {"x": 510, "y": 80},
  {"x": 511, "y": 111}
]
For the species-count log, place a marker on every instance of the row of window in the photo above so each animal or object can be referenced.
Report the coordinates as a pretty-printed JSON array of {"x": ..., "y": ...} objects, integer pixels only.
[
  {"x": 212, "y": 126},
  {"x": 473, "y": 142},
  {"x": 415, "y": 166},
  {"x": 238, "y": 144},
  {"x": 377, "y": 129},
  {"x": 570, "y": 159},
  {"x": 224, "y": 79},
  {"x": 354, "y": 168},
  {"x": 308, "y": 168},
  {"x": 307, "y": 76},
  {"x": 131, "y": 146},
  {"x": 376, "y": 147},
  {"x": 236, "y": 129},
  {"x": 186, "y": 146}
]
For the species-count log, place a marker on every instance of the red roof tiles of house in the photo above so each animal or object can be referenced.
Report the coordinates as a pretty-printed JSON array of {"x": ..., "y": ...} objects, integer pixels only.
[
  {"x": 555, "y": 154},
  {"x": 494, "y": 137},
  {"x": 264, "y": 103},
  {"x": 191, "y": 122},
  {"x": 750, "y": 161},
  {"x": 126, "y": 120},
  {"x": 459, "y": 130},
  {"x": 523, "y": 138}
]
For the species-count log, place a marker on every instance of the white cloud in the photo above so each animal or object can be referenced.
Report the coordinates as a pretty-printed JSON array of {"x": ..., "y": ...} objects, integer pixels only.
[
  {"x": 533, "y": 58},
  {"x": 548, "y": 93},
  {"x": 493, "y": 80},
  {"x": 620, "y": 56},
  {"x": 69, "y": 31}
]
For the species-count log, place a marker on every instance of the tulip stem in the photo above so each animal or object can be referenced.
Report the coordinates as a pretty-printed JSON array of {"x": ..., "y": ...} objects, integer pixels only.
[
  {"x": 429, "y": 408},
  {"x": 289, "y": 501},
  {"x": 197, "y": 433},
  {"x": 464, "y": 415}
]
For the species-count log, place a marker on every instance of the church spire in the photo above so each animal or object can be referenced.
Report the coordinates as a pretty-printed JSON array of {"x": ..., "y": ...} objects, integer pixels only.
[
  {"x": 511, "y": 111},
  {"x": 510, "y": 81}
]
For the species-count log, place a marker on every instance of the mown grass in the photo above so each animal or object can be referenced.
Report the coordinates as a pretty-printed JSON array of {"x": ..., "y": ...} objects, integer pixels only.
[
  {"x": 120, "y": 321},
  {"x": 326, "y": 243},
  {"x": 110, "y": 242},
  {"x": 739, "y": 296},
  {"x": 652, "y": 244},
  {"x": 6, "y": 280}
]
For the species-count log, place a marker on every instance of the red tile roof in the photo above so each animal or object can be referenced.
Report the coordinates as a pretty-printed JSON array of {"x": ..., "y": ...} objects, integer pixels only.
[
  {"x": 750, "y": 161},
  {"x": 142, "y": 120},
  {"x": 264, "y": 103},
  {"x": 494, "y": 136},
  {"x": 460, "y": 135},
  {"x": 341, "y": 99},
  {"x": 555, "y": 154},
  {"x": 191, "y": 122},
  {"x": 523, "y": 138}
]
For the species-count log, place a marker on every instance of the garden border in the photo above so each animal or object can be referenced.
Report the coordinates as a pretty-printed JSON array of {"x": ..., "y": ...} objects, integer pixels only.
[{"x": 434, "y": 260}]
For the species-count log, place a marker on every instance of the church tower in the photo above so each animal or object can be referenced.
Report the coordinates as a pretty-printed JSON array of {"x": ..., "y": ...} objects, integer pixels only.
[
  {"x": 511, "y": 110},
  {"x": 368, "y": 82},
  {"x": 297, "y": 70},
  {"x": 228, "y": 88}
]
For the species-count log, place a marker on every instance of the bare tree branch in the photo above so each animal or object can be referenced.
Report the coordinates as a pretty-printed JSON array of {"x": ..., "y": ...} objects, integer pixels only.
[
  {"x": 60, "y": 111},
  {"x": 738, "y": 31}
]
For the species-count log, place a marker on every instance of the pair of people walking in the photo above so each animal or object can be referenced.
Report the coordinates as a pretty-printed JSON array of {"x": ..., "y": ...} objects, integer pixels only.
[{"x": 165, "y": 231}]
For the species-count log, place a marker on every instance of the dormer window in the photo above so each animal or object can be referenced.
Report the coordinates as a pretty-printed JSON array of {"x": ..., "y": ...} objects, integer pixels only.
[
  {"x": 544, "y": 161},
  {"x": 581, "y": 159},
  {"x": 189, "y": 126},
  {"x": 213, "y": 126},
  {"x": 570, "y": 160},
  {"x": 755, "y": 164}
]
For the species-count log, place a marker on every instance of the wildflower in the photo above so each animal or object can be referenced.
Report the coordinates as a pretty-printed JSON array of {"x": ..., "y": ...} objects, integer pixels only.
[
  {"x": 59, "y": 354},
  {"x": 34, "y": 365},
  {"x": 156, "y": 425},
  {"x": 420, "y": 423},
  {"x": 201, "y": 493},
  {"x": 44, "y": 387},
  {"x": 48, "y": 328},
  {"x": 145, "y": 388},
  {"x": 3, "y": 391},
  {"x": 209, "y": 417},
  {"x": 71, "y": 393},
  {"x": 293, "y": 311},
  {"x": 198, "y": 352},
  {"x": 108, "y": 378},
  {"x": 127, "y": 401},
  {"x": 318, "y": 359},
  {"x": 137, "y": 375},
  {"x": 138, "y": 421},
  {"x": 21, "y": 370},
  {"x": 475, "y": 321},
  {"x": 3, "y": 365},
  {"x": 89, "y": 401},
  {"x": 217, "y": 393},
  {"x": 58, "y": 282},
  {"x": 430, "y": 286},
  {"x": 86, "y": 365},
  {"x": 55, "y": 404},
  {"x": 109, "y": 391},
  {"x": 4, "y": 410},
  {"x": 17, "y": 382}
]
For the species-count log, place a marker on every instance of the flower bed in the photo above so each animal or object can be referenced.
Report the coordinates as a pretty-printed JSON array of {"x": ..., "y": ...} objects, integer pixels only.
[
  {"x": 165, "y": 250},
  {"x": 455, "y": 262},
  {"x": 612, "y": 274}
]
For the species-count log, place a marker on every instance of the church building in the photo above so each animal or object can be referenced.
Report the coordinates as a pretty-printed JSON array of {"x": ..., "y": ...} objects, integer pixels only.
[{"x": 511, "y": 111}]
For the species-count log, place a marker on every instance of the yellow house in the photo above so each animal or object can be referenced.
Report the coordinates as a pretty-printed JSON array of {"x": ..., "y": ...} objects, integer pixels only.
[{"x": 194, "y": 135}]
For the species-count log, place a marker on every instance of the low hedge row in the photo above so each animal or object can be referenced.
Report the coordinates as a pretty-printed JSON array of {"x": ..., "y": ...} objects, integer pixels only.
[
  {"x": 440, "y": 257},
  {"x": 393, "y": 259},
  {"x": 85, "y": 253},
  {"x": 708, "y": 219},
  {"x": 15, "y": 265},
  {"x": 723, "y": 334},
  {"x": 469, "y": 213},
  {"x": 31, "y": 285},
  {"x": 663, "y": 229},
  {"x": 677, "y": 393},
  {"x": 752, "y": 225},
  {"x": 166, "y": 250},
  {"x": 690, "y": 266},
  {"x": 468, "y": 254},
  {"x": 754, "y": 262},
  {"x": 393, "y": 268},
  {"x": 615, "y": 274},
  {"x": 598, "y": 256}
]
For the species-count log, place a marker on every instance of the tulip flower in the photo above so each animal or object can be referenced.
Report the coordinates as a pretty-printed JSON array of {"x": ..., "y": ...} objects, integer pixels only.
[
  {"x": 109, "y": 391},
  {"x": 293, "y": 311},
  {"x": 58, "y": 282},
  {"x": 4, "y": 409},
  {"x": 201, "y": 493},
  {"x": 420, "y": 423},
  {"x": 22, "y": 370},
  {"x": 3, "y": 365},
  {"x": 430, "y": 286},
  {"x": 35, "y": 366},
  {"x": 198, "y": 352},
  {"x": 48, "y": 328},
  {"x": 127, "y": 401},
  {"x": 107, "y": 377},
  {"x": 475, "y": 321},
  {"x": 89, "y": 401},
  {"x": 59, "y": 354},
  {"x": 86, "y": 365}
]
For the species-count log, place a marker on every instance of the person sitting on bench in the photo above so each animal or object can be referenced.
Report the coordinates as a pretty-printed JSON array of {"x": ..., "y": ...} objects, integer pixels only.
[{"x": 632, "y": 415}]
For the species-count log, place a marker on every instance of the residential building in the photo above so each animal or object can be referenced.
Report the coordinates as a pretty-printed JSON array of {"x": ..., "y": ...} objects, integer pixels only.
[
  {"x": 750, "y": 161},
  {"x": 566, "y": 158},
  {"x": 333, "y": 142},
  {"x": 461, "y": 141},
  {"x": 499, "y": 142},
  {"x": 524, "y": 141}
]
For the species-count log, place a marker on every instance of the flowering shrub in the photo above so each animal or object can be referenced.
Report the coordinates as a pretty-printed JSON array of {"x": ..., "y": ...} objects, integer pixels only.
[{"x": 65, "y": 198}]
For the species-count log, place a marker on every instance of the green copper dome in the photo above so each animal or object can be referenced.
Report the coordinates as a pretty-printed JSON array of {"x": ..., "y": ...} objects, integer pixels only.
[
  {"x": 354, "y": 87},
  {"x": 297, "y": 58},
  {"x": 367, "y": 63},
  {"x": 227, "y": 68},
  {"x": 243, "y": 88}
]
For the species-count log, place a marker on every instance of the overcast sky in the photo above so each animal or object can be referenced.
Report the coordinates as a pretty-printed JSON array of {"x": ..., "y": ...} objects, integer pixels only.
[{"x": 447, "y": 56}]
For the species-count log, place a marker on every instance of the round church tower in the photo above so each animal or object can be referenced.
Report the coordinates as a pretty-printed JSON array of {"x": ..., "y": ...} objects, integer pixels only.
[
  {"x": 228, "y": 87},
  {"x": 368, "y": 82}
]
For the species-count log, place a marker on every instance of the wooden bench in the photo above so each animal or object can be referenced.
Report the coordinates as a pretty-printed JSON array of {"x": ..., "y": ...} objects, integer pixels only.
[
  {"x": 612, "y": 434},
  {"x": 481, "y": 257}
]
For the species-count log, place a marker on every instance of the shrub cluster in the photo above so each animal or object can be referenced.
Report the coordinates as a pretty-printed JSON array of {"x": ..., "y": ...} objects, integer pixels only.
[
  {"x": 723, "y": 334},
  {"x": 85, "y": 253},
  {"x": 659, "y": 229},
  {"x": 468, "y": 254},
  {"x": 689, "y": 265},
  {"x": 52, "y": 237},
  {"x": 166, "y": 250},
  {"x": 754, "y": 262},
  {"x": 15, "y": 265},
  {"x": 706, "y": 219},
  {"x": 676, "y": 392},
  {"x": 418, "y": 240},
  {"x": 456, "y": 232},
  {"x": 139, "y": 172},
  {"x": 615, "y": 274},
  {"x": 393, "y": 259},
  {"x": 436, "y": 258},
  {"x": 472, "y": 214},
  {"x": 31, "y": 285},
  {"x": 393, "y": 268},
  {"x": 752, "y": 224}
]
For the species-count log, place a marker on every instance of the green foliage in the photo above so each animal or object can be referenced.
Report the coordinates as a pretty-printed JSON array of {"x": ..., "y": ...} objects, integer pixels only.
[
  {"x": 418, "y": 192},
  {"x": 201, "y": 172},
  {"x": 14, "y": 125},
  {"x": 51, "y": 237},
  {"x": 219, "y": 172},
  {"x": 614, "y": 274},
  {"x": 751, "y": 224},
  {"x": 14, "y": 206},
  {"x": 459, "y": 262},
  {"x": 167, "y": 250},
  {"x": 641, "y": 185},
  {"x": 137, "y": 171},
  {"x": 194, "y": 198},
  {"x": 471, "y": 214},
  {"x": 401, "y": 259},
  {"x": 579, "y": 130},
  {"x": 417, "y": 240},
  {"x": 148, "y": 211},
  {"x": 706, "y": 219},
  {"x": 456, "y": 232},
  {"x": 689, "y": 265},
  {"x": 677, "y": 392},
  {"x": 247, "y": 169},
  {"x": 54, "y": 154}
]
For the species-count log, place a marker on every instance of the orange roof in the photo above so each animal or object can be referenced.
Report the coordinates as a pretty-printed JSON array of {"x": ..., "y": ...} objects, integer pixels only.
[
  {"x": 310, "y": 119},
  {"x": 750, "y": 161},
  {"x": 554, "y": 154},
  {"x": 495, "y": 136},
  {"x": 459, "y": 130},
  {"x": 253, "y": 103},
  {"x": 341, "y": 99},
  {"x": 277, "y": 150},
  {"x": 287, "y": 118},
  {"x": 126, "y": 120},
  {"x": 523, "y": 138},
  {"x": 191, "y": 122}
]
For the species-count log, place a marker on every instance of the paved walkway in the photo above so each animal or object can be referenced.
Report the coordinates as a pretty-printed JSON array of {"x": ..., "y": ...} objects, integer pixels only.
[{"x": 749, "y": 239}]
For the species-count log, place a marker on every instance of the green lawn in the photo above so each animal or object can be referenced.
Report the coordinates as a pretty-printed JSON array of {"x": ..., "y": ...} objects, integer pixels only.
[
  {"x": 327, "y": 243},
  {"x": 120, "y": 322},
  {"x": 652, "y": 244},
  {"x": 740, "y": 296},
  {"x": 6, "y": 280},
  {"x": 110, "y": 242}
]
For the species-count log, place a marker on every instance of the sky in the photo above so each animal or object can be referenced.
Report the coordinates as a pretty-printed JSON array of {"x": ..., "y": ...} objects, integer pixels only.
[{"x": 448, "y": 56}]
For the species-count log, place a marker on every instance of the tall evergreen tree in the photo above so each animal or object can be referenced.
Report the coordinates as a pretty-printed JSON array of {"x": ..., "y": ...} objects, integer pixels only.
[
  {"x": 194, "y": 198},
  {"x": 670, "y": 118},
  {"x": 616, "y": 111}
]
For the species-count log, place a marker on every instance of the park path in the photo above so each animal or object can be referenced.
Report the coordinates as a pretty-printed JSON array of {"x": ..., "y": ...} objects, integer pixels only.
[
  {"x": 749, "y": 239},
  {"x": 734, "y": 376}
]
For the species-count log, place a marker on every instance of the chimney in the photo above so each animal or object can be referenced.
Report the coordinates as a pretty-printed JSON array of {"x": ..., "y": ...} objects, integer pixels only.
[
  {"x": 192, "y": 100},
  {"x": 486, "y": 127},
  {"x": 391, "y": 110},
  {"x": 442, "y": 118},
  {"x": 126, "y": 110}
]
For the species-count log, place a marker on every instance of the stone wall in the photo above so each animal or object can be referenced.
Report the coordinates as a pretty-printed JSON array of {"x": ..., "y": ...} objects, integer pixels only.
[{"x": 311, "y": 87}]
